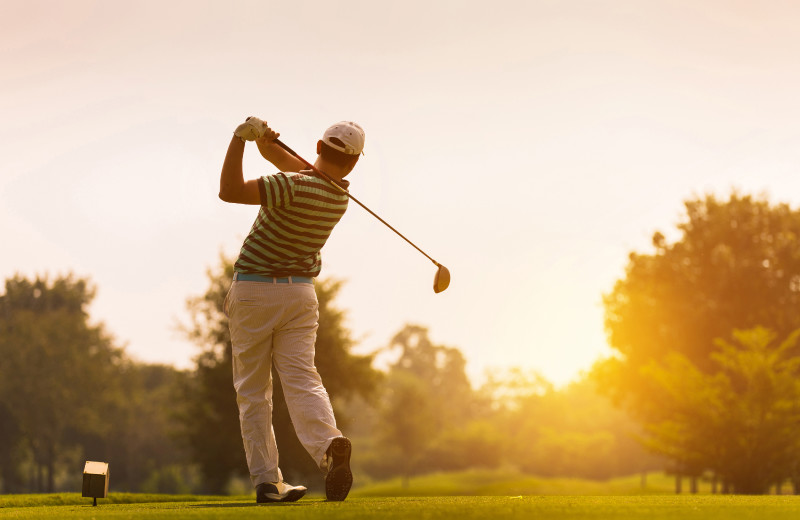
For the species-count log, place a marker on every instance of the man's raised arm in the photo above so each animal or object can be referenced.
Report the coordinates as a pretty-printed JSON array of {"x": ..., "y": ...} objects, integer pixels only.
[
  {"x": 232, "y": 187},
  {"x": 279, "y": 157}
]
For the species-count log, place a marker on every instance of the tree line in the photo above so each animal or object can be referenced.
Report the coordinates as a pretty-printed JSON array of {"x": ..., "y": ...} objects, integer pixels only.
[
  {"x": 420, "y": 414},
  {"x": 69, "y": 394},
  {"x": 703, "y": 381}
]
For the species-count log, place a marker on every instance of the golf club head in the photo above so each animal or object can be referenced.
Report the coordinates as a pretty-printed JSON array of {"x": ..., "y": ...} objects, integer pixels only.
[{"x": 442, "y": 279}]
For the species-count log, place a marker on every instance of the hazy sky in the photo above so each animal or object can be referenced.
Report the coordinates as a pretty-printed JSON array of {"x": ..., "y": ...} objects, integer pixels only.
[{"x": 529, "y": 146}]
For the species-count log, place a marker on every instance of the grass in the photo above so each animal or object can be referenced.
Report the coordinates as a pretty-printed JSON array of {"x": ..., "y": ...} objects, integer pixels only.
[
  {"x": 505, "y": 483},
  {"x": 75, "y": 499},
  {"x": 498, "y": 494},
  {"x": 662, "y": 507}
]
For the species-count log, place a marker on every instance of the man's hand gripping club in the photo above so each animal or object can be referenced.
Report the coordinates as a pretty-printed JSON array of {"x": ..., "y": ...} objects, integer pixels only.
[{"x": 232, "y": 186}]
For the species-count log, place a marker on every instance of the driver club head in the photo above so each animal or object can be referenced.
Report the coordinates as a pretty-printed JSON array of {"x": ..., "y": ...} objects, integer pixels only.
[{"x": 442, "y": 279}]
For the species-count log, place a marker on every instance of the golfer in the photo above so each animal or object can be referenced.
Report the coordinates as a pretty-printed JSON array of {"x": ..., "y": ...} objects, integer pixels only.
[{"x": 272, "y": 305}]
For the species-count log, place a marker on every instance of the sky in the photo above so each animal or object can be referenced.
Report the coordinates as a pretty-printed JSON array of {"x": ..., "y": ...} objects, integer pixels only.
[{"x": 529, "y": 146}]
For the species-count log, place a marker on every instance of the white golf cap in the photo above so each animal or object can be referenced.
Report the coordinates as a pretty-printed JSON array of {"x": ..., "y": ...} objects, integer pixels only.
[{"x": 350, "y": 136}]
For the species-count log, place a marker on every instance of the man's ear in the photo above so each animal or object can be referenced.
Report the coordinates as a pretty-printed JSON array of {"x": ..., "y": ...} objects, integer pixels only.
[{"x": 319, "y": 147}]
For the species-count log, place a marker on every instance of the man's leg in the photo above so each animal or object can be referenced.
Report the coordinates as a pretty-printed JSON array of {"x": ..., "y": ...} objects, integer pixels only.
[
  {"x": 293, "y": 354},
  {"x": 308, "y": 402},
  {"x": 252, "y": 320}
]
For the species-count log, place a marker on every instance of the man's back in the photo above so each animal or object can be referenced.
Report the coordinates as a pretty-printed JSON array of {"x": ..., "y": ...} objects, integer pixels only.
[{"x": 297, "y": 215}]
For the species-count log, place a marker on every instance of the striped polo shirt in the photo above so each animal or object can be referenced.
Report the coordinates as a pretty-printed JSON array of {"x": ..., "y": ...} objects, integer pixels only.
[{"x": 297, "y": 215}]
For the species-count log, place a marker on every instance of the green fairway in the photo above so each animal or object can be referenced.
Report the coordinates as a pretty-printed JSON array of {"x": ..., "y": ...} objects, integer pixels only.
[
  {"x": 418, "y": 508},
  {"x": 513, "y": 483}
]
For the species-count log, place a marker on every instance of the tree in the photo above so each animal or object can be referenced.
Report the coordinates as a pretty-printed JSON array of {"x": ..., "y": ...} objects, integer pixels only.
[
  {"x": 211, "y": 418},
  {"x": 142, "y": 441},
  {"x": 425, "y": 409},
  {"x": 574, "y": 431},
  {"x": 735, "y": 266},
  {"x": 57, "y": 371},
  {"x": 11, "y": 450},
  {"x": 409, "y": 425},
  {"x": 740, "y": 420}
]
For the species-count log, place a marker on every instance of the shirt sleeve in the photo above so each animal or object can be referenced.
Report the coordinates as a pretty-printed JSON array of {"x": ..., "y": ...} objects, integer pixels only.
[{"x": 275, "y": 190}]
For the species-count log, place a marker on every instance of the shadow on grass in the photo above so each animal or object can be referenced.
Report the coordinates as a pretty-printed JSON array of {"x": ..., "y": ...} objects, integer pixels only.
[{"x": 250, "y": 504}]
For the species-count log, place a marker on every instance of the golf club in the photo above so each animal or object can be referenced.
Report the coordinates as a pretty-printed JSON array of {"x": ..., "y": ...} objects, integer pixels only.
[{"x": 442, "y": 278}]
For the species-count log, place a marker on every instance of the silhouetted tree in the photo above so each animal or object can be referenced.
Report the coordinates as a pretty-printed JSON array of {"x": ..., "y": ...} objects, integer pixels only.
[
  {"x": 57, "y": 371},
  {"x": 739, "y": 420},
  {"x": 11, "y": 451}
]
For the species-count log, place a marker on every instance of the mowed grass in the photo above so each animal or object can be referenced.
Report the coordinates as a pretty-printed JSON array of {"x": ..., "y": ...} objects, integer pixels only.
[
  {"x": 468, "y": 495},
  {"x": 510, "y": 483},
  {"x": 651, "y": 507}
]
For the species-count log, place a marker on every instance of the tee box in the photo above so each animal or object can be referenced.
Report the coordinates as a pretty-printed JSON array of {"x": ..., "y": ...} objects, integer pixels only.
[{"x": 95, "y": 479}]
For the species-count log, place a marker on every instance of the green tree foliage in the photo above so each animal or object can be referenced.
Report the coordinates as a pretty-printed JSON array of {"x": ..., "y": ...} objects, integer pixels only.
[
  {"x": 429, "y": 419},
  {"x": 57, "y": 369},
  {"x": 740, "y": 419},
  {"x": 210, "y": 418},
  {"x": 429, "y": 414},
  {"x": 143, "y": 427},
  {"x": 574, "y": 431},
  {"x": 735, "y": 266},
  {"x": 11, "y": 451},
  {"x": 68, "y": 394}
]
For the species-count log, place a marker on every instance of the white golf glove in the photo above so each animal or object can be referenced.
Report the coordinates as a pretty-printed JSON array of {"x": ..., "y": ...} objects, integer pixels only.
[{"x": 252, "y": 129}]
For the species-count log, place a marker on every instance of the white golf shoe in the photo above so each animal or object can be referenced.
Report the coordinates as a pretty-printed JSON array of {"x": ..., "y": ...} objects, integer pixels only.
[{"x": 278, "y": 492}]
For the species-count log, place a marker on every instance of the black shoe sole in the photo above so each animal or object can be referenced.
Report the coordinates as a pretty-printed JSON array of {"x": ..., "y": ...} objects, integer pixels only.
[
  {"x": 292, "y": 496},
  {"x": 340, "y": 478}
]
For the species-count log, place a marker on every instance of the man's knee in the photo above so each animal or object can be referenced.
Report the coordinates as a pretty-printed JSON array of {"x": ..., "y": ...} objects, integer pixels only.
[
  {"x": 302, "y": 379},
  {"x": 253, "y": 404}
]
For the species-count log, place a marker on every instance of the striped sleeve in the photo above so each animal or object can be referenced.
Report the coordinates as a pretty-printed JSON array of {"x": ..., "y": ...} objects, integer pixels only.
[{"x": 276, "y": 191}]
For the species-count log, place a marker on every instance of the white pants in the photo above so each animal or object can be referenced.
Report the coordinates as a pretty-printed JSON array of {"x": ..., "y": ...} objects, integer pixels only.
[{"x": 277, "y": 323}]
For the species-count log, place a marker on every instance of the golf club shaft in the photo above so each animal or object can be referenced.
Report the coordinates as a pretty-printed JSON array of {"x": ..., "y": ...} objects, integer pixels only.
[{"x": 327, "y": 178}]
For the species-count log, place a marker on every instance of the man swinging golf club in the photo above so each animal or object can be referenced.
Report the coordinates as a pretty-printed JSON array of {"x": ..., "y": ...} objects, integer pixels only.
[{"x": 272, "y": 306}]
